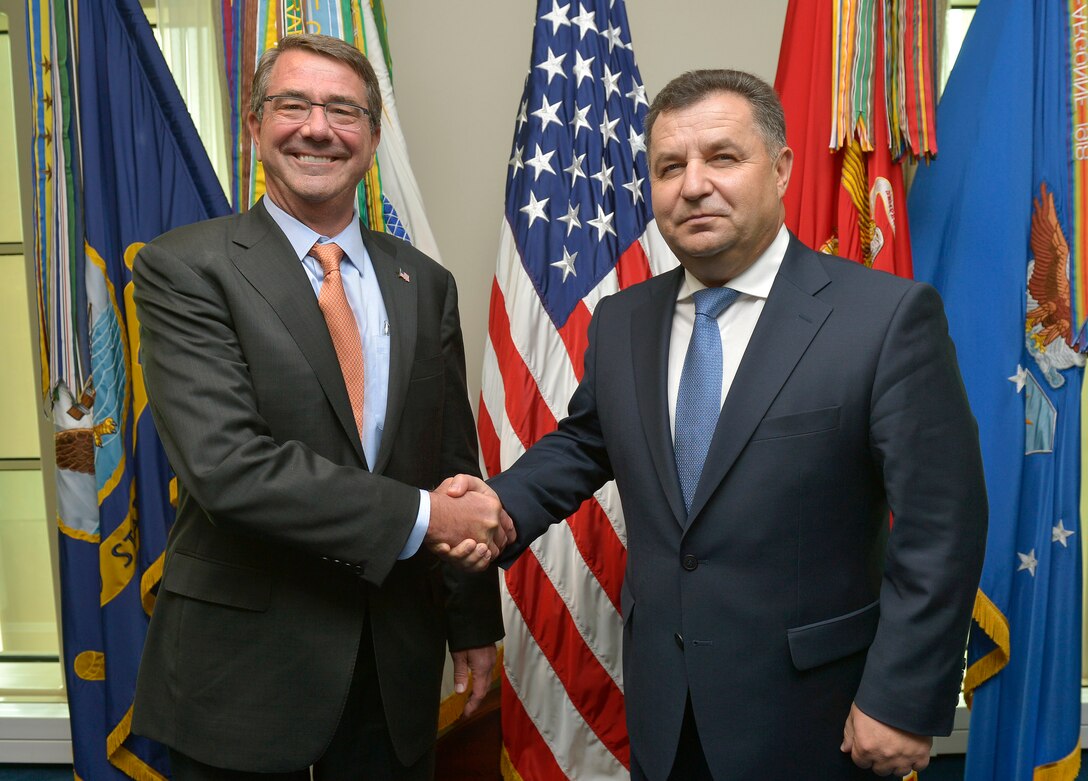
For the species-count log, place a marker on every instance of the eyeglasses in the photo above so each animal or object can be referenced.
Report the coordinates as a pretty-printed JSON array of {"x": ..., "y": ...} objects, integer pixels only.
[{"x": 295, "y": 110}]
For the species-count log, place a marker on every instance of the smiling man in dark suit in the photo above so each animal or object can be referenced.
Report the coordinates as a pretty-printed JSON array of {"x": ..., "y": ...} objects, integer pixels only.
[
  {"x": 307, "y": 378},
  {"x": 762, "y": 408}
]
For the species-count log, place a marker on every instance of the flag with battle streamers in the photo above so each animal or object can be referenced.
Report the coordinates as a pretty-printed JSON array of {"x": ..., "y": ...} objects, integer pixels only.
[
  {"x": 998, "y": 221},
  {"x": 856, "y": 82},
  {"x": 115, "y": 161}
]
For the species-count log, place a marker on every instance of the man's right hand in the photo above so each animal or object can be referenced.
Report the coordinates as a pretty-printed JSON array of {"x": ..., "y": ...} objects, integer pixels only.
[
  {"x": 459, "y": 485},
  {"x": 466, "y": 529}
]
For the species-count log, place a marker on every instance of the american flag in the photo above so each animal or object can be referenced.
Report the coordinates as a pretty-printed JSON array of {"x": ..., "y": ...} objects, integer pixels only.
[{"x": 577, "y": 227}]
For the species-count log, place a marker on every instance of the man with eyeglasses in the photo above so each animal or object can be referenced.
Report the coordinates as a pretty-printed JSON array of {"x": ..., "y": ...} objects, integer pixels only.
[{"x": 307, "y": 378}]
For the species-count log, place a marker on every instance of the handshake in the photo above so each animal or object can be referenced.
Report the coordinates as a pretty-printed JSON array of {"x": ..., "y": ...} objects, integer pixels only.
[{"x": 468, "y": 525}]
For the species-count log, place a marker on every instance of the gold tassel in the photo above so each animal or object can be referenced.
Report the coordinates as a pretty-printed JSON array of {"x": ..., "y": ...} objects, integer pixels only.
[
  {"x": 1063, "y": 770},
  {"x": 996, "y": 626}
]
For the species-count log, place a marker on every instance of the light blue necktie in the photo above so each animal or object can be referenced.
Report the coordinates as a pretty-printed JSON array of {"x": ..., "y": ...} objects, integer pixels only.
[{"x": 699, "y": 399}]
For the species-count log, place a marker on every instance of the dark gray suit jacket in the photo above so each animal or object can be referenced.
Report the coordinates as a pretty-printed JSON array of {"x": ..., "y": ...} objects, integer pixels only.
[
  {"x": 284, "y": 541},
  {"x": 780, "y": 598}
]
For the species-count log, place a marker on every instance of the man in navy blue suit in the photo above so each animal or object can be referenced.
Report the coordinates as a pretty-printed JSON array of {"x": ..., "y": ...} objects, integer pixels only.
[{"x": 773, "y": 627}]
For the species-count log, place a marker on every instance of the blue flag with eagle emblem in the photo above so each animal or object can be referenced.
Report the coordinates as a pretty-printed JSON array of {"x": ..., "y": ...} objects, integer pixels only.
[
  {"x": 992, "y": 221},
  {"x": 116, "y": 162}
]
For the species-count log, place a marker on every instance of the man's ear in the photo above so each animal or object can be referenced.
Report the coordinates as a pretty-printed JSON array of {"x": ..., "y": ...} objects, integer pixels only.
[
  {"x": 254, "y": 125},
  {"x": 783, "y": 166},
  {"x": 377, "y": 133}
]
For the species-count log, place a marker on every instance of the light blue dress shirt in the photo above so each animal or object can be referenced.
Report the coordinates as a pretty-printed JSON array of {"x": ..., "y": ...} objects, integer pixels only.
[{"x": 366, "y": 302}]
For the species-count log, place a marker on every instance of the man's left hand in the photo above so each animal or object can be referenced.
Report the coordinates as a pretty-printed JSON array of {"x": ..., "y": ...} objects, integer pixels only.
[
  {"x": 479, "y": 662},
  {"x": 884, "y": 749}
]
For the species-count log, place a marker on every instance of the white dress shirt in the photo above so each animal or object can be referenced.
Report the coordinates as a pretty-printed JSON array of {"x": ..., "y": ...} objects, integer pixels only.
[
  {"x": 366, "y": 302},
  {"x": 736, "y": 323}
]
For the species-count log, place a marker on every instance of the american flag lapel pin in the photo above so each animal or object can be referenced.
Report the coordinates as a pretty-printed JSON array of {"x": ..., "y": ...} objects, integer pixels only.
[{"x": 403, "y": 275}]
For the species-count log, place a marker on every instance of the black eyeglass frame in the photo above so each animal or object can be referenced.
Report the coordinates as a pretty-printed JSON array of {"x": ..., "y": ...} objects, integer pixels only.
[{"x": 324, "y": 106}]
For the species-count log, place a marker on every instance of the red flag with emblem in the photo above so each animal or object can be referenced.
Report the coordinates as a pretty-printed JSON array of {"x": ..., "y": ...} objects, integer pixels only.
[{"x": 838, "y": 64}]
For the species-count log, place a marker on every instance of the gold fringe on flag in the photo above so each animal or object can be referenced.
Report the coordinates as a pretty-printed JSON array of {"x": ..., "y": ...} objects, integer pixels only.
[
  {"x": 123, "y": 759},
  {"x": 509, "y": 772},
  {"x": 996, "y": 626},
  {"x": 1065, "y": 769},
  {"x": 855, "y": 181}
]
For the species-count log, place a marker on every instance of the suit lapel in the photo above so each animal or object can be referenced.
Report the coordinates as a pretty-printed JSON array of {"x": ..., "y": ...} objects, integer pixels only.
[
  {"x": 267, "y": 260},
  {"x": 651, "y": 327},
  {"x": 401, "y": 306},
  {"x": 790, "y": 320}
]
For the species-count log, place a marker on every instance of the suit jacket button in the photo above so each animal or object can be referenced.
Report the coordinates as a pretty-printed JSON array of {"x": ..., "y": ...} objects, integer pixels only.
[
  {"x": 679, "y": 640},
  {"x": 689, "y": 562}
]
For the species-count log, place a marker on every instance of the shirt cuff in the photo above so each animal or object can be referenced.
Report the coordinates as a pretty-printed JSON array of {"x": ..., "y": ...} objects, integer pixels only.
[{"x": 419, "y": 531}]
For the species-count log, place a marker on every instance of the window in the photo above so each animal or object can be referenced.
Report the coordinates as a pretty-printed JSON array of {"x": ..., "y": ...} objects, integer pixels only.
[
  {"x": 29, "y": 643},
  {"x": 956, "y": 21}
]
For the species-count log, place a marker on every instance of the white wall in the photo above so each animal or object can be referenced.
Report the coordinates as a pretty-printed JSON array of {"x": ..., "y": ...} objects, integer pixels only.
[{"x": 458, "y": 71}]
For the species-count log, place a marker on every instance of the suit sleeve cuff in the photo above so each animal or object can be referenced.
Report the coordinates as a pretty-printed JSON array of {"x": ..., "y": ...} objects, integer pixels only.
[{"x": 419, "y": 531}]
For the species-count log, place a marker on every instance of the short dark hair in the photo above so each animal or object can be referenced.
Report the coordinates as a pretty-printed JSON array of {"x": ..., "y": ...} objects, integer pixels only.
[
  {"x": 326, "y": 46},
  {"x": 691, "y": 87}
]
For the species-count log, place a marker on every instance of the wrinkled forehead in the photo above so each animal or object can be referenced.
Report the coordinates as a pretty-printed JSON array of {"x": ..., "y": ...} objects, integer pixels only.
[
  {"x": 303, "y": 72},
  {"x": 714, "y": 121}
]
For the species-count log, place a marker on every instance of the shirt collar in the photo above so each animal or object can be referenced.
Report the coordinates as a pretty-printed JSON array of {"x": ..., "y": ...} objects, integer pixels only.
[
  {"x": 302, "y": 237},
  {"x": 756, "y": 280}
]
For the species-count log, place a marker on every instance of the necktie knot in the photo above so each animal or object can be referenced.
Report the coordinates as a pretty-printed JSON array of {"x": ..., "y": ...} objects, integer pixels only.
[
  {"x": 712, "y": 301},
  {"x": 328, "y": 255}
]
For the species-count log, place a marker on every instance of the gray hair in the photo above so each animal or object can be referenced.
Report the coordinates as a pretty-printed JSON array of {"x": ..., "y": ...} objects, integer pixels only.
[
  {"x": 326, "y": 46},
  {"x": 691, "y": 87}
]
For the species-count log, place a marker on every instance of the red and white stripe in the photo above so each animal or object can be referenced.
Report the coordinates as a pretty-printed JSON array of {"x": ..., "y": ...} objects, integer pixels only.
[{"x": 562, "y": 700}]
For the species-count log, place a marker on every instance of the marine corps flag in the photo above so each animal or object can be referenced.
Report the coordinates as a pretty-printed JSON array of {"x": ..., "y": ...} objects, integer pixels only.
[
  {"x": 855, "y": 102},
  {"x": 998, "y": 222},
  {"x": 116, "y": 161}
]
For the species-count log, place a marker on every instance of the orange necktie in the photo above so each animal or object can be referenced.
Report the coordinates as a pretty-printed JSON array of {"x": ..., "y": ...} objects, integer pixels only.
[{"x": 342, "y": 326}]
